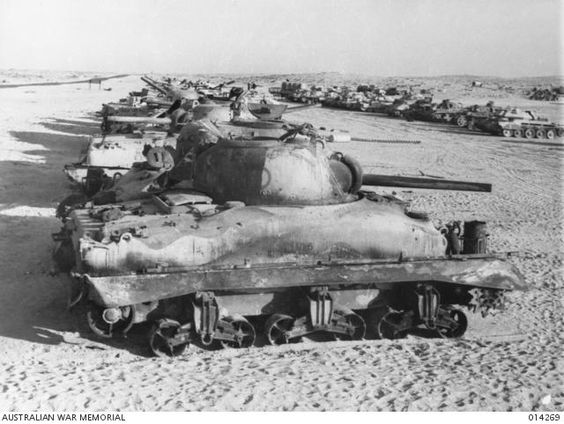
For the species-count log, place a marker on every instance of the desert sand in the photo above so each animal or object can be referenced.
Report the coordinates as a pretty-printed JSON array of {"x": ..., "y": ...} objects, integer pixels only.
[{"x": 510, "y": 362}]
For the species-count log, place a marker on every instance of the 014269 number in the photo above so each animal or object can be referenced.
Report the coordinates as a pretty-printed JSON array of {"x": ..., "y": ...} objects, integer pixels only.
[{"x": 544, "y": 417}]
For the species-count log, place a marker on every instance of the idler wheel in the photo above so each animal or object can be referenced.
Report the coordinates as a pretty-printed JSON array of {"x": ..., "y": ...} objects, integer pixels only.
[
  {"x": 163, "y": 340},
  {"x": 506, "y": 133},
  {"x": 452, "y": 323},
  {"x": 277, "y": 329},
  {"x": 105, "y": 322},
  {"x": 242, "y": 330},
  {"x": 353, "y": 323},
  {"x": 392, "y": 326}
]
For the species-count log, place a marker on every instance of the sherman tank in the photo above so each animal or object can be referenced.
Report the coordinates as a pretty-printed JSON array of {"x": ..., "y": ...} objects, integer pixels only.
[
  {"x": 276, "y": 241},
  {"x": 107, "y": 158}
]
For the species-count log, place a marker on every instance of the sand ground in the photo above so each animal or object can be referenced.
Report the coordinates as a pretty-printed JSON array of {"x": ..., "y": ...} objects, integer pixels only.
[{"x": 513, "y": 361}]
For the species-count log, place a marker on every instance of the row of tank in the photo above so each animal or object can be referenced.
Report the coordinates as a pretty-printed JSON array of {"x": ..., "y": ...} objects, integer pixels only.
[
  {"x": 365, "y": 98},
  {"x": 495, "y": 120},
  {"x": 404, "y": 103},
  {"x": 232, "y": 227}
]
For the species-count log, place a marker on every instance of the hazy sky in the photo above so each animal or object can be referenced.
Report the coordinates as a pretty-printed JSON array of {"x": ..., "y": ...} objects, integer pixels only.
[{"x": 376, "y": 37}]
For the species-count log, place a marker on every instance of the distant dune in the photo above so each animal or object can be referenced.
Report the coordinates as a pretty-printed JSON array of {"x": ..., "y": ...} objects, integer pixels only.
[{"x": 94, "y": 80}]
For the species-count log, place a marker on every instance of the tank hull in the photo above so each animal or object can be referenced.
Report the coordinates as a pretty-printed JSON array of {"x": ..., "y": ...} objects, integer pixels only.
[
  {"x": 206, "y": 273},
  {"x": 364, "y": 229},
  {"x": 482, "y": 271}
]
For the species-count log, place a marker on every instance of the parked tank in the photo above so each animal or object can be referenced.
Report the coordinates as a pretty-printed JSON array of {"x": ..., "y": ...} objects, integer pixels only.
[
  {"x": 107, "y": 158},
  {"x": 528, "y": 124},
  {"x": 399, "y": 107},
  {"x": 447, "y": 111},
  {"x": 135, "y": 112},
  {"x": 277, "y": 239},
  {"x": 471, "y": 115},
  {"x": 485, "y": 122},
  {"x": 125, "y": 141},
  {"x": 421, "y": 110},
  {"x": 381, "y": 104}
]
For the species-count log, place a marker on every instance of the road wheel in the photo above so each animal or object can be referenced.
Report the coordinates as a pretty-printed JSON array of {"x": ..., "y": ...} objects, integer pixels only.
[
  {"x": 163, "y": 339},
  {"x": 107, "y": 322},
  {"x": 529, "y": 133},
  {"x": 550, "y": 134},
  {"x": 506, "y": 133},
  {"x": 541, "y": 133},
  {"x": 517, "y": 133},
  {"x": 462, "y": 121},
  {"x": 241, "y": 329},
  {"x": 277, "y": 329},
  {"x": 392, "y": 326},
  {"x": 453, "y": 324}
]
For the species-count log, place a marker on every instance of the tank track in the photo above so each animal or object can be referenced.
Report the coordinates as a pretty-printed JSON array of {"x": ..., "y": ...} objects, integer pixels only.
[
  {"x": 202, "y": 319},
  {"x": 531, "y": 130}
]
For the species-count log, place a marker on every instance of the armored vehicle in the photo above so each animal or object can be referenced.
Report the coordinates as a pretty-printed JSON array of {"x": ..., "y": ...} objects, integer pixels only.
[
  {"x": 447, "y": 111},
  {"x": 421, "y": 110},
  {"x": 107, "y": 158},
  {"x": 469, "y": 116},
  {"x": 276, "y": 241},
  {"x": 516, "y": 123}
]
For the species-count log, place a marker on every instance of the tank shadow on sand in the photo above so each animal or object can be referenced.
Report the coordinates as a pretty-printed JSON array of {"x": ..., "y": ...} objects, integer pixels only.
[
  {"x": 33, "y": 306},
  {"x": 134, "y": 342},
  {"x": 70, "y": 127},
  {"x": 33, "y": 303},
  {"x": 38, "y": 179}
]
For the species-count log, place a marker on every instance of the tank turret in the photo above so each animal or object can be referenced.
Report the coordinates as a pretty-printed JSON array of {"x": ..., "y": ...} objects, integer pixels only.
[
  {"x": 295, "y": 169},
  {"x": 272, "y": 172}
]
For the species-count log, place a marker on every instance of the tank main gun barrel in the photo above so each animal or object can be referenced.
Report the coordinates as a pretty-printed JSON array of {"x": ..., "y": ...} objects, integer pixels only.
[
  {"x": 153, "y": 84},
  {"x": 386, "y": 140},
  {"x": 428, "y": 183},
  {"x": 138, "y": 120},
  {"x": 302, "y": 107}
]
